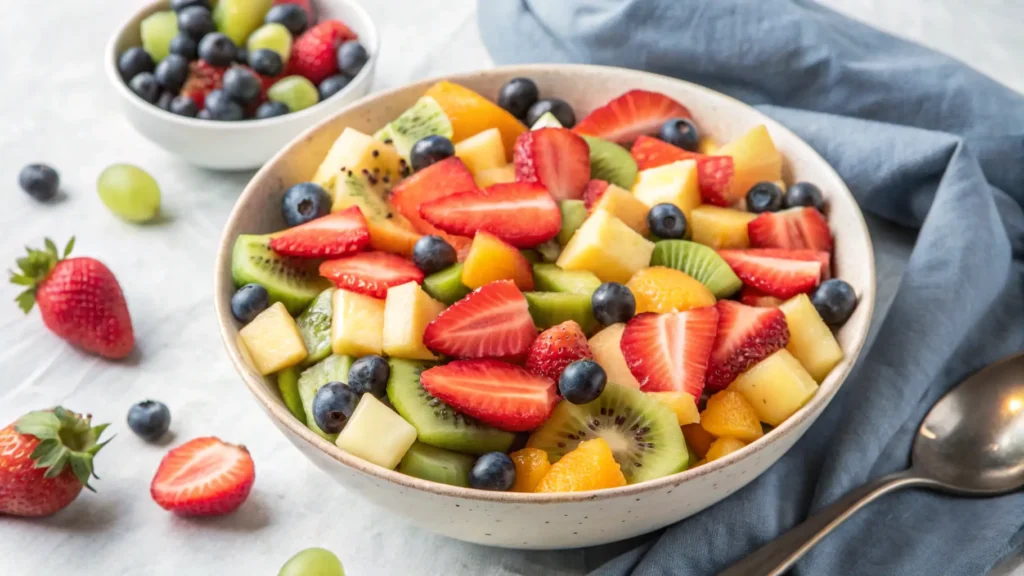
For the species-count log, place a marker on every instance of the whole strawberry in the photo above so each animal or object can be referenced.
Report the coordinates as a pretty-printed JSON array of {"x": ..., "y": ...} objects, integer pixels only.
[
  {"x": 79, "y": 299},
  {"x": 46, "y": 458},
  {"x": 556, "y": 348},
  {"x": 314, "y": 54}
]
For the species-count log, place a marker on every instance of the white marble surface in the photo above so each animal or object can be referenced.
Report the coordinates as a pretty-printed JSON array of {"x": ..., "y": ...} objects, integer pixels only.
[{"x": 56, "y": 107}]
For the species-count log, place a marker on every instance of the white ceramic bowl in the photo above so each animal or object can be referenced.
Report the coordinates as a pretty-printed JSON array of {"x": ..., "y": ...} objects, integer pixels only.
[
  {"x": 567, "y": 520},
  {"x": 236, "y": 145}
]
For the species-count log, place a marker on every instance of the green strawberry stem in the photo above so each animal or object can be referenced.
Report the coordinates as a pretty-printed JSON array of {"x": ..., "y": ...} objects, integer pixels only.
[
  {"x": 34, "y": 268},
  {"x": 65, "y": 439}
]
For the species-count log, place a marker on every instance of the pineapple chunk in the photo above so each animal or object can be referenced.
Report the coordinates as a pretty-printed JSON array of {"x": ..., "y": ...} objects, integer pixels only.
[
  {"x": 407, "y": 311},
  {"x": 682, "y": 404},
  {"x": 490, "y": 259},
  {"x": 625, "y": 207},
  {"x": 720, "y": 227},
  {"x": 608, "y": 354},
  {"x": 810, "y": 339},
  {"x": 273, "y": 340},
  {"x": 754, "y": 159},
  {"x": 775, "y": 387},
  {"x": 483, "y": 151},
  {"x": 492, "y": 176},
  {"x": 607, "y": 247},
  {"x": 357, "y": 327},
  {"x": 674, "y": 183},
  {"x": 359, "y": 154},
  {"x": 707, "y": 146},
  {"x": 721, "y": 448},
  {"x": 376, "y": 434}
]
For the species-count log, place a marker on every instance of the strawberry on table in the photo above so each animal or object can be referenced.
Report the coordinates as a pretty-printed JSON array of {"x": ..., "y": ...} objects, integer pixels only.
[
  {"x": 670, "y": 352},
  {"x": 331, "y": 236},
  {"x": 792, "y": 229},
  {"x": 556, "y": 158},
  {"x": 436, "y": 181},
  {"x": 370, "y": 273},
  {"x": 593, "y": 192},
  {"x": 519, "y": 213},
  {"x": 203, "y": 477},
  {"x": 556, "y": 348},
  {"x": 493, "y": 321},
  {"x": 714, "y": 173},
  {"x": 314, "y": 54},
  {"x": 774, "y": 275},
  {"x": 746, "y": 335},
  {"x": 631, "y": 115}
]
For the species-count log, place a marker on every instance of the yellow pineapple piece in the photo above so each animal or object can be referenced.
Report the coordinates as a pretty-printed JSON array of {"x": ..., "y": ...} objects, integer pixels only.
[
  {"x": 754, "y": 160},
  {"x": 674, "y": 183},
  {"x": 355, "y": 152},
  {"x": 810, "y": 339},
  {"x": 607, "y": 247},
  {"x": 775, "y": 387},
  {"x": 273, "y": 341},
  {"x": 376, "y": 433},
  {"x": 490, "y": 259},
  {"x": 407, "y": 311},
  {"x": 721, "y": 448},
  {"x": 707, "y": 146},
  {"x": 492, "y": 176},
  {"x": 624, "y": 206},
  {"x": 483, "y": 151},
  {"x": 608, "y": 354},
  {"x": 681, "y": 403},
  {"x": 357, "y": 325},
  {"x": 720, "y": 227},
  {"x": 728, "y": 414}
]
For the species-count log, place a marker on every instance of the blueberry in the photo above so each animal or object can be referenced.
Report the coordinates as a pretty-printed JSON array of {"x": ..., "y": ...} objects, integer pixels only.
[
  {"x": 149, "y": 420},
  {"x": 493, "y": 471},
  {"x": 433, "y": 254},
  {"x": 804, "y": 194},
  {"x": 172, "y": 72},
  {"x": 204, "y": 114},
  {"x": 184, "y": 46},
  {"x": 764, "y": 197},
  {"x": 248, "y": 301},
  {"x": 134, "y": 61},
  {"x": 217, "y": 49},
  {"x": 291, "y": 16},
  {"x": 242, "y": 55},
  {"x": 835, "y": 301},
  {"x": 680, "y": 132},
  {"x": 351, "y": 58},
  {"x": 164, "y": 101},
  {"x": 39, "y": 181},
  {"x": 332, "y": 85},
  {"x": 197, "y": 22},
  {"x": 582, "y": 382},
  {"x": 517, "y": 95},
  {"x": 667, "y": 221},
  {"x": 241, "y": 85},
  {"x": 266, "y": 62},
  {"x": 333, "y": 406},
  {"x": 304, "y": 202},
  {"x": 612, "y": 303},
  {"x": 222, "y": 107},
  {"x": 429, "y": 150},
  {"x": 271, "y": 109},
  {"x": 146, "y": 87},
  {"x": 184, "y": 106},
  {"x": 369, "y": 374},
  {"x": 560, "y": 108},
  {"x": 179, "y": 5}
]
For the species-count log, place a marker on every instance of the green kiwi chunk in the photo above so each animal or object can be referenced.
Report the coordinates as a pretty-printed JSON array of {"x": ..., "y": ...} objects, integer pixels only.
[
  {"x": 294, "y": 282},
  {"x": 552, "y": 308},
  {"x": 315, "y": 327},
  {"x": 532, "y": 256},
  {"x": 437, "y": 465},
  {"x": 574, "y": 212},
  {"x": 334, "y": 368},
  {"x": 611, "y": 163},
  {"x": 446, "y": 285},
  {"x": 288, "y": 385},
  {"x": 643, "y": 433},
  {"x": 549, "y": 251},
  {"x": 424, "y": 118},
  {"x": 699, "y": 261},
  {"x": 551, "y": 278}
]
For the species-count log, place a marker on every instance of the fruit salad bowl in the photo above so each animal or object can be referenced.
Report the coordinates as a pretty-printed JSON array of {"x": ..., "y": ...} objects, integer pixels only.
[{"x": 559, "y": 519}]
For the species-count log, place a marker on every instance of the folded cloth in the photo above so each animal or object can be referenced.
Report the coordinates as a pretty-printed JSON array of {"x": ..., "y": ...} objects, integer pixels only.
[{"x": 925, "y": 143}]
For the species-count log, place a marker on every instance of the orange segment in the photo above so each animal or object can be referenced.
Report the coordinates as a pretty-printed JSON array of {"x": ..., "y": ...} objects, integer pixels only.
[
  {"x": 698, "y": 439},
  {"x": 660, "y": 289},
  {"x": 721, "y": 448},
  {"x": 591, "y": 466},
  {"x": 729, "y": 415},
  {"x": 531, "y": 466},
  {"x": 490, "y": 259},
  {"x": 682, "y": 404},
  {"x": 471, "y": 113}
]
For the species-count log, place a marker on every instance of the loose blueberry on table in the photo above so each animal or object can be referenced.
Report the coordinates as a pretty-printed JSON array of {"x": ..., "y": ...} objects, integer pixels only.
[
  {"x": 39, "y": 181},
  {"x": 149, "y": 420}
]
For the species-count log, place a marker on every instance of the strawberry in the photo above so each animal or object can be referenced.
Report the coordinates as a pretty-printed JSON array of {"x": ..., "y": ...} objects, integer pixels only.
[
  {"x": 555, "y": 158},
  {"x": 305, "y": 5},
  {"x": 521, "y": 214},
  {"x": 791, "y": 229},
  {"x": 670, "y": 352},
  {"x": 630, "y": 116},
  {"x": 714, "y": 173},
  {"x": 79, "y": 300},
  {"x": 436, "y": 181},
  {"x": 331, "y": 236},
  {"x": 370, "y": 273},
  {"x": 779, "y": 277},
  {"x": 202, "y": 79},
  {"x": 496, "y": 393},
  {"x": 556, "y": 348},
  {"x": 593, "y": 192},
  {"x": 753, "y": 297},
  {"x": 203, "y": 477},
  {"x": 314, "y": 53},
  {"x": 808, "y": 255},
  {"x": 493, "y": 321},
  {"x": 746, "y": 335},
  {"x": 46, "y": 458}
]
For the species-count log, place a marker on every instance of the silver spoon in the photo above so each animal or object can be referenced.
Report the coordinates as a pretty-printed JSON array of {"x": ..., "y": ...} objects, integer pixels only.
[{"x": 971, "y": 443}]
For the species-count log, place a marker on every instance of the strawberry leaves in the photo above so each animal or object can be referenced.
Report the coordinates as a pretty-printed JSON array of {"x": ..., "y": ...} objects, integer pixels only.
[{"x": 65, "y": 439}]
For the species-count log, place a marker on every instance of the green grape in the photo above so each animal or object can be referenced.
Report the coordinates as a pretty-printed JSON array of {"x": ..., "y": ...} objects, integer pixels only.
[
  {"x": 157, "y": 31},
  {"x": 129, "y": 192},
  {"x": 295, "y": 92},
  {"x": 238, "y": 18},
  {"x": 312, "y": 562},
  {"x": 272, "y": 37}
]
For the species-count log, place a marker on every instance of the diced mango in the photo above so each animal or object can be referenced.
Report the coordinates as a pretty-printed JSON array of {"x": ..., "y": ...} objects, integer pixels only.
[
  {"x": 754, "y": 159},
  {"x": 707, "y": 146},
  {"x": 681, "y": 403},
  {"x": 607, "y": 247},
  {"x": 273, "y": 341},
  {"x": 407, "y": 311},
  {"x": 484, "y": 151},
  {"x": 357, "y": 325},
  {"x": 698, "y": 439},
  {"x": 810, "y": 339},
  {"x": 626, "y": 207},
  {"x": 775, "y": 387},
  {"x": 721, "y": 448},
  {"x": 355, "y": 152},
  {"x": 608, "y": 354},
  {"x": 376, "y": 433},
  {"x": 719, "y": 227},
  {"x": 674, "y": 183},
  {"x": 491, "y": 259},
  {"x": 491, "y": 176},
  {"x": 470, "y": 113},
  {"x": 531, "y": 466},
  {"x": 728, "y": 414},
  {"x": 590, "y": 466},
  {"x": 661, "y": 289}
]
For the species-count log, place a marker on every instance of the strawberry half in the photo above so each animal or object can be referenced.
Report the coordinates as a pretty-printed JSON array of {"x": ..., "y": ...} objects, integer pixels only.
[
  {"x": 792, "y": 229},
  {"x": 807, "y": 255},
  {"x": 556, "y": 348},
  {"x": 746, "y": 335},
  {"x": 753, "y": 297},
  {"x": 202, "y": 79},
  {"x": 519, "y": 213},
  {"x": 670, "y": 352},
  {"x": 555, "y": 158},
  {"x": 314, "y": 53},
  {"x": 630, "y": 116},
  {"x": 493, "y": 321},
  {"x": 203, "y": 477},
  {"x": 331, "y": 236},
  {"x": 496, "y": 393},
  {"x": 779, "y": 277},
  {"x": 370, "y": 273},
  {"x": 714, "y": 173},
  {"x": 436, "y": 181},
  {"x": 593, "y": 192}
]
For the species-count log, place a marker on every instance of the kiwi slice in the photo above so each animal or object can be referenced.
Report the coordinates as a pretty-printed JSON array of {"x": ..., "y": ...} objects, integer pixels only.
[
  {"x": 549, "y": 251},
  {"x": 334, "y": 368},
  {"x": 643, "y": 433},
  {"x": 436, "y": 464},
  {"x": 551, "y": 278},
  {"x": 574, "y": 212},
  {"x": 552, "y": 308},
  {"x": 531, "y": 255},
  {"x": 446, "y": 285},
  {"x": 315, "y": 327},
  {"x": 292, "y": 281},
  {"x": 437, "y": 423},
  {"x": 424, "y": 118},
  {"x": 699, "y": 261},
  {"x": 288, "y": 385},
  {"x": 611, "y": 163}
]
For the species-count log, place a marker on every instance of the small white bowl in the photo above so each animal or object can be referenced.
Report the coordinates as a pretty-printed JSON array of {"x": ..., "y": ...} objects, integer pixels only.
[{"x": 236, "y": 145}]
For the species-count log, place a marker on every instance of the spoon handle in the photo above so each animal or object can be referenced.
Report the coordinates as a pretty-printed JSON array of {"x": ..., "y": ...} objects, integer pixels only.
[{"x": 774, "y": 558}]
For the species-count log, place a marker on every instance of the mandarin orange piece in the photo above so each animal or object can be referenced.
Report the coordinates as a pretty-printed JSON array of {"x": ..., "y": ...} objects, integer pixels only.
[
  {"x": 721, "y": 448},
  {"x": 591, "y": 466},
  {"x": 531, "y": 466},
  {"x": 661, "y": 289},
  {"x": 470, "y": 113},
  {"x": 729, "y": 415}
]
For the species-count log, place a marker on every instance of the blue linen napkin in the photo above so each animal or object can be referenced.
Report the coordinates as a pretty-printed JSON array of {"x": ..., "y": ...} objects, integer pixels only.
[{"x": 926, "y": 144}]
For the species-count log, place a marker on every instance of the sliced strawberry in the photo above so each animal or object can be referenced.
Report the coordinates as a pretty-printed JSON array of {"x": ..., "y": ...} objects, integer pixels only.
[
  {"x": 493, "y": 321},
  {"x": 630, "y": 116},
  {"x": 203, "y": 477},
  {"x": 331, "y": 236},
  {"x": 202, "y": 79},
  {"x": 670, "y": 352},
  {"x": 556, "y": 348},
  {"x": 370, "y": 273},
  {"x": 746, "y": 335},
  {"x": 494, "y": 392},
  {"x": 593, "y": 192},
  {"x": 521, "y": 214},
  {"x": 791, "y": 229},
  {"x": 714, "y": 173},
  {"x": 436, "y": 181},
  {"x": 555, "y": 158},
  {"x": 753, "y": 297},
  {"x": 808, "y": 255},
  {"x": 779, "y": 277}
]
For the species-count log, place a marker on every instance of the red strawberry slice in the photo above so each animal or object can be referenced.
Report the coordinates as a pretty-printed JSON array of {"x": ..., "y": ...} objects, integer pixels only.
[
  {"x": 436, "y": 181},
  {"x": 494, "y": 392},
  {"x": 204, "y": 477},
  {"x": 714, "y": 173},
  {"x": 493, "y": 321},
  {"x": 202, "y": 79},
  {"x": 556, "y": 348},
  {"x": 746, "y": 335},
  {"x": 779, "y": 277},
  {"x": 305, "y": 5},
  {"x": 593, "y": 192},
  {"x": 330, "y": 236},
  {"x": 314, "y": 53},
  {"x": 753, "y": 297},
  {"x": 519, "y": 213},
  {"x": 670, "y": 352},
  {"x": 370, "y": 273},
  {"x": 630, "y": 116},
  {"x": 808, "y": 255},
  {"x": 791, "y": 229},
  {"x": 555, "y": 158}
]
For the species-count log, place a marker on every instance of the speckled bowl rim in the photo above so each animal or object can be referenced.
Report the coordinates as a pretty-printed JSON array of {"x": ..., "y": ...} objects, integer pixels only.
[{"x": 827, "y": 389}]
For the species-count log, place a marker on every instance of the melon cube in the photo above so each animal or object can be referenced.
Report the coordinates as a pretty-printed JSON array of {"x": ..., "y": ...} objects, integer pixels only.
[
  {"x": 483, "y": 151},
  {"x": 682, "y": 404},
  {"x": 407, "y": 311},
  {"x": 754, "y": 160},
  {"x": 608, "y": 354},
  {"x": 354, "y": 152},
  {"x": 775, "y": 387},
  {"x": 492, "y": 176},
  {"x": 357, "y": 325},
  {"x": 273, "y": 341},
  {"x": 810, "y": 339},
  {"x": 625, "y": 207},
  {"x": 491, "y": 259},
  {"x": 674, "y": 183},
  {"x": 719, "y": 227},
  {"x": 376, "y": 434},
  {"x": 607, "y": 247}
]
